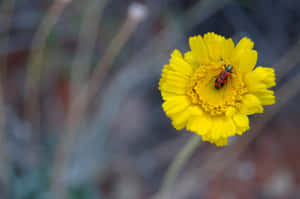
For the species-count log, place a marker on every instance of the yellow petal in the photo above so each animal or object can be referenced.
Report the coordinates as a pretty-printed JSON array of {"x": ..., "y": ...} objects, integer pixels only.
[
  {"x": 175, "y": 104},
  {"x": 174, "y": 75},
  {"x": 176, "y": 54},
  {"x": 172, "y": 82},
  {"x": 258, "y": 82},
  {"x": 250, "y": 105},
  {"x": 169, "y": 83},
  {"x": 177, "y": 63},
  {"x": 180, "y": 119},
  {"x": 215, "y": 45},
  {"x": 260, "y": 79},
  {"x": 230, "y": 111},
  {"x": 222, "y": 127},
  {"x": 245, "y": 43},
  {"x": 243, "y": 57},
  {"x": 200, "y": 124},
  {"x": 172, "y": 79},
  {"x": 195, "y": 110},
  {"x": 242, "y": 122},
  {"x": 189, "y": 58},
  {"x": 221, "y": 142},
  {"x": 199, "y": 49},
  {"x": 171, "y": 89},
  {"x": 266, "y": 97},
  {"x": 166, "y": 95},
  {"x": 266, "y": 75},
  {"x": 228, "y": 49},
  {"x": 244, "y": 60}
]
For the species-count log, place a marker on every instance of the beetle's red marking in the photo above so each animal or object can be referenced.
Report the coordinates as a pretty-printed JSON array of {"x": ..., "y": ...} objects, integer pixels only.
[{"x": 222, "y": 77}]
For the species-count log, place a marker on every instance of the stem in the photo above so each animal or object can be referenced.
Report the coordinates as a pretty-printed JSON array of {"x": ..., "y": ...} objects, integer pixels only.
[
  {"x": 35, "y": 65},
  {"x": 179, "y": 162},
  {"x": 87, "y": 40}
]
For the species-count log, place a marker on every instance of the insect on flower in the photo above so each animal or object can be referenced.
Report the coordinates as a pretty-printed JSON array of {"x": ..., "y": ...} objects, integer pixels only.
[
  {"x": 223, "y": 76},
  {"x": 214, "y": 87}
]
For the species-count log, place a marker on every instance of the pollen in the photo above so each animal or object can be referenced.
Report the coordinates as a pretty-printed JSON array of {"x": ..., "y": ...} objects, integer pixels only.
[{"x": 201, "y": 90}]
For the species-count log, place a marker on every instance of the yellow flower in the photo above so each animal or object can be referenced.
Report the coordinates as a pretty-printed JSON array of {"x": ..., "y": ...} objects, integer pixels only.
[{"x": 191, "y": 98}]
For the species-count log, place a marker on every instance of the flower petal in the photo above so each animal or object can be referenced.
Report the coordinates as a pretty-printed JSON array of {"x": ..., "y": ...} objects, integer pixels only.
[
  {"x": 244, "y": 60},
  {"x": 243, "y": 57},
  {"x": 222, "y": 127},
  {"x": 195, "y": 110},
  {"x": 175, "y": 76},
  {"x": 189, "y": 58},
  {"x": 218, "y": 142},
  {"x": 245, "y": 43},
  {"x": 266, "y": 75},
  {"x": 215, "y": 45},
  {"x": 200, "y": 124},
  {"x": 230, "y": 111},
  {"x": 180, "y": 119},
  {"x": 199, "y": 49},
  {"x": 175, "y": 104},
  {"x": 172, "y": 79},
  {"x": 228, "y": 49},
  {"x": 260, "y": 79},
  {"x": 242, "y": 122},
  {"x": 221, "y": 142},
  {"x": 177, "y": 63},
  {"x": 266, "y": 97},
  {"x": 171, "y": 89},
  {"x": 250, "y": 105}
]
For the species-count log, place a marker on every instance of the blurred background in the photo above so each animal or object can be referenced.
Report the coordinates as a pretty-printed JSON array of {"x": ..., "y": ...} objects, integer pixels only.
[{"x": 80, "y": 110}]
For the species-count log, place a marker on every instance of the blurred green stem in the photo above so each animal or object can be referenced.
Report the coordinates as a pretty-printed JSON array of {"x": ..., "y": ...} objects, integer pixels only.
[{"x": 179, "y": 162}]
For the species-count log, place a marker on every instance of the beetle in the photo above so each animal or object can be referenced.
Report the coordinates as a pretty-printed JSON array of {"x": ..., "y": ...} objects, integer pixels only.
[{"x": 223, "y": 76}]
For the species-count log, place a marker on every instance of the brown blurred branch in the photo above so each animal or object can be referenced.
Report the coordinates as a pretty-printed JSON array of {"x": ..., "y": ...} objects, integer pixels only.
[
  {"x": 88, "y": 34},
  {"x": 35, "y": 63}
]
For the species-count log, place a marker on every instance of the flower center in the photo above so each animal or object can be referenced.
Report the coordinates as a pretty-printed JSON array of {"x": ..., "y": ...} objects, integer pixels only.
[{"x": 201, "y": 90}]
